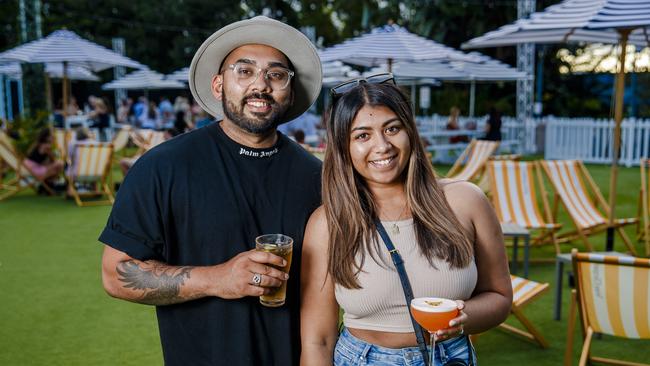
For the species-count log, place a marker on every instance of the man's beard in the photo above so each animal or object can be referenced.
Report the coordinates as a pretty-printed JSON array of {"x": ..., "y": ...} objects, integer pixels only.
[{"x": 261, "y": 126}]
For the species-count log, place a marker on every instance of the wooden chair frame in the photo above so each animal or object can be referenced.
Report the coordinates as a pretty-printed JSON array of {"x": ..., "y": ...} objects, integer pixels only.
[
  {"x": 595, "y": 197},
  {"x": 546, "y": 233},
  {"x": 643, "y": 225},
  {"x": 578, "y": 307},
  {"x": 531, "y": 333}
]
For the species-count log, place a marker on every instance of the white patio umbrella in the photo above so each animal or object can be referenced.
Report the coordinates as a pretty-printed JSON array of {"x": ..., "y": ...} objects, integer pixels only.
[
  {"x": 336, "y": 72},
  {"x": 180, "y": 75},
  {"x": 485, "y": 69},
  {"x": 144, "y": 80},
  {"x": 68, "y": 49},
  {"x": 604, "y": 21},
  {"x": 54, "y": 71},
  {"x": 384, "y": 45}
]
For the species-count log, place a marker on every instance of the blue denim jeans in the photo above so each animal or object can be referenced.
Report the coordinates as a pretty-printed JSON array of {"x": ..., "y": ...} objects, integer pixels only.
[{"x": 352, "y": 351}]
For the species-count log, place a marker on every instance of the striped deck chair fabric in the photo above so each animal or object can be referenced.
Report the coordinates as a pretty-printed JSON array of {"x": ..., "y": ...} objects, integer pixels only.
[
  {"x": 570, "y": 179},
  {"x": 91, "y": 164},
  {"x": 643, "y": 228},
  {"x": 612, "y": 295},
  {"x": 157, "y": 138},
  {"x": 515, "y": 198},
  {"x": 121, "y": 138},
  {"x": 523, "y": 292},
  {"x": 474, "y": 158}
]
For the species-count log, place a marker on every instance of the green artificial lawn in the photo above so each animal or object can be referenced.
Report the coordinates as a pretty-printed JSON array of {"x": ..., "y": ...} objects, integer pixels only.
[{"x": 55, "y": 312}]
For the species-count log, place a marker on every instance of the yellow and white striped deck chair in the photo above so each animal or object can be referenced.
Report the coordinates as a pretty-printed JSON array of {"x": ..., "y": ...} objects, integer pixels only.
[
  {"x": 121, "y": 138},
  {"x": 471, "y": 163},
  {"x": 157, "y": 138},
  {"x": 612, "y": 298},
  {"x": 570, "y": 180},
  {"x": 22, "y": 176},
  {"x": 523, "y": 292},
  {"x": 516, "y": 199},
  {"x": 643, "y": 227},
  {"x": 91, "y": 166}
]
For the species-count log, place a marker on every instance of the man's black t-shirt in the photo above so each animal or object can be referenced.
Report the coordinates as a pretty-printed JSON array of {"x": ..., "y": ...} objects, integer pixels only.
[{"x": 200, "y": 199}]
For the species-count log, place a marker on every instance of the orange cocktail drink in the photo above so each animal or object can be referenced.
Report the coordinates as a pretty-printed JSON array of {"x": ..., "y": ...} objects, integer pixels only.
[{"x": 433, "y": 313}]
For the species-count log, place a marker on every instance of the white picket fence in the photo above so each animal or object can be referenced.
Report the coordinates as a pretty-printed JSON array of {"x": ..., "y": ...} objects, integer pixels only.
[
  {"x": 586, "y": 139},
  {"x": 591, "y": 140}
]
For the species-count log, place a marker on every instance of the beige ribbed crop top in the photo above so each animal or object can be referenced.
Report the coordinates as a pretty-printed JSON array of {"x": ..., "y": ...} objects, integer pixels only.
[{"x": 380, "y": 304}]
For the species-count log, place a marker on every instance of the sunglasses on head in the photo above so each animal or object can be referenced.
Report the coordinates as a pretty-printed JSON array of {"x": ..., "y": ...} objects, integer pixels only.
[{"x": 345, "y": 87}]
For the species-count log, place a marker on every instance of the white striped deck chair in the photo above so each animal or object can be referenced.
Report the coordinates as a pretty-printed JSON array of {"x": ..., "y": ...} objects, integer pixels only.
[
  {"x": 157, "y": 138},
  {"x": 613, "y": 297},
  {"x": 570, "y": 180},
  {"x": 516, "y": 199},
  {"x": 523, "y": 292},
  {"x": 471, "y": 163},
  {"x": 22, "y": 177},
  {"x": 121, "y": 138},
  {"x": 141, "y": 138},
  {"x": 91, "y": 167},
  {"x": 643, "y": 227}
]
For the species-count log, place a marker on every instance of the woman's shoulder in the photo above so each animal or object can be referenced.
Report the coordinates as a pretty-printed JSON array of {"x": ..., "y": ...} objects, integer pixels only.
[
  {"x": 461, "y": 191},
  {"x": 317, "y": 229}
]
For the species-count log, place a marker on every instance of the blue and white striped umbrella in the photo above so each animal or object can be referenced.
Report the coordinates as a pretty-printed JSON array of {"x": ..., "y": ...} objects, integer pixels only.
[
  {"x": 387, "y": 44},
  {"x": 54, "y": 71},
  {"x": 180, "y": 75},
  {"x": 66, "y": 46},
  {"x": 589, "y": 21},
  {"x": 462, "y": 71},
  {"x": 144, "y": 80},
  {"x": 592, "y": 21}
]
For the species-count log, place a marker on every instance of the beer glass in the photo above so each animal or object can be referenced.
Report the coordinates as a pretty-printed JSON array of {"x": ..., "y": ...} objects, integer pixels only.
[
  {"x": 282, "y": 246},
  {"x": 433, "y": 314}
]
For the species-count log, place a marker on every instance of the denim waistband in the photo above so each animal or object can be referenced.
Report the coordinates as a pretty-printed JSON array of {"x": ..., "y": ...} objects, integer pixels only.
[{"x": 351, "y": 350}]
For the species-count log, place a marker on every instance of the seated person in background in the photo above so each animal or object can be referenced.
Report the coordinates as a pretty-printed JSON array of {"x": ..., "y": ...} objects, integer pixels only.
[
  {"x": 452, "y": 124},
  {"x": 41, "y": 160},
  {"x": 100, "y": 117},
  {"x": 127, "y": 163}
]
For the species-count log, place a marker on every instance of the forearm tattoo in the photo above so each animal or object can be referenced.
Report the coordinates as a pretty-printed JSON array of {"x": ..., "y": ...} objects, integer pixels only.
[{"x": 160, "y": 283}]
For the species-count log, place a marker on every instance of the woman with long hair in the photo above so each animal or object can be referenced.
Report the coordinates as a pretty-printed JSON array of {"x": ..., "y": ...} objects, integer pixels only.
[
  {"x": 41, "y": 160},
  {"x": 376, "y": 170}
]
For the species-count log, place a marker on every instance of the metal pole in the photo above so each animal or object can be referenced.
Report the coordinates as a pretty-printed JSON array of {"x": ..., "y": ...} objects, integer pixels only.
[
  {"x": 472, "y": 98},
  {"x": 65, "y": 89},
  {"x": 618, "y": 118},
  {"x": 525, "y": 63},
  {"x": 118, "y": 72},
  {"x": 10, "y": 107},
  {"x": 3, "y": 109},
  {"x": 21, "y": 102},
  {"x": 23, "y": 21}
]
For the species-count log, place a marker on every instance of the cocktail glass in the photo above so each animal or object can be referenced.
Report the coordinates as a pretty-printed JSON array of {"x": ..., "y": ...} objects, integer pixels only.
[
  {"x": 280, "y": 245},
  {"x": 433, "y": 314}
]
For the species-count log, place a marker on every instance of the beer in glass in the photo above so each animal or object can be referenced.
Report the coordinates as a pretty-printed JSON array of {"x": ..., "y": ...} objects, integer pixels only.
[{"x": 282, "y": 246}]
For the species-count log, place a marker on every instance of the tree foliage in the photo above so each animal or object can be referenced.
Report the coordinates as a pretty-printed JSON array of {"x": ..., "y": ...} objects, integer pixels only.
[{"x": 164, "y": 35}]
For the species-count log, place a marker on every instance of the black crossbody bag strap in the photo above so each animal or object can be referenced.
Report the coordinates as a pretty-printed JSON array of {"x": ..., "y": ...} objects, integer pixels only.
[{"x": 406, "y": 286}]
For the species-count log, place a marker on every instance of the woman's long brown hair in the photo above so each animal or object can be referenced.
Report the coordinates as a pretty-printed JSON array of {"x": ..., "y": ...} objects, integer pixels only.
[{"x": 349, "y": 205}]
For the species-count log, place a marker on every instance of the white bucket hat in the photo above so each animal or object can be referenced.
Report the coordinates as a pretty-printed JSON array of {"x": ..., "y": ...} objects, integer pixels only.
[{"x": 258, "y": 30}]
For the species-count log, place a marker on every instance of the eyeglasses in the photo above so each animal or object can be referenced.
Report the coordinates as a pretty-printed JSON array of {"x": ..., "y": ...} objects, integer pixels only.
[
  {"x": 345, "y": 87},
  {"x": 246, "y": 74}
]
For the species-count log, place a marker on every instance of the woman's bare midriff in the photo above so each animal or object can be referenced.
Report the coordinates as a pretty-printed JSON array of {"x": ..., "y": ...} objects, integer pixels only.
[{"x": 385, "y": 339}]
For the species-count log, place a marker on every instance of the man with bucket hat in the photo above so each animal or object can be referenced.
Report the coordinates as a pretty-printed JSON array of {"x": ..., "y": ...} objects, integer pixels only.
[{"x": 182, "y": 231}]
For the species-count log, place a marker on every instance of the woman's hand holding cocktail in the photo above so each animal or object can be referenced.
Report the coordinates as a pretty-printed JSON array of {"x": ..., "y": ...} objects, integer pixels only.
[{"x": 456, "y": 325}]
